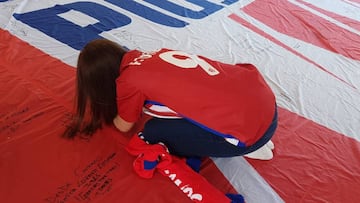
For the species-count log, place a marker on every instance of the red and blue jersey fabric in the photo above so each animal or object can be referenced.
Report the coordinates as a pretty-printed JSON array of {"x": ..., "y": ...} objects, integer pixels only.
[
  {"x": 155, "y": 157},
  {"x": 232, "y": 101}
]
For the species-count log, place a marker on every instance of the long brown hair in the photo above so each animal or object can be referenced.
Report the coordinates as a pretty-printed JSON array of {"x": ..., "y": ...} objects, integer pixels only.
[{"x": 98, "y": 67}]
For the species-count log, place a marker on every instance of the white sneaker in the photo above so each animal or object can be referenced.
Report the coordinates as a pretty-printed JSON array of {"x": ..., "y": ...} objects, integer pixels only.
[
  {"x": 270, "y": 144},
  {"x": 263, "y": 153}
]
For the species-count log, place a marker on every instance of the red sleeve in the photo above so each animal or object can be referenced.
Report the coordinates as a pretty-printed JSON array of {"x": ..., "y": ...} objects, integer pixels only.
[{"x": 130, "y": 101}]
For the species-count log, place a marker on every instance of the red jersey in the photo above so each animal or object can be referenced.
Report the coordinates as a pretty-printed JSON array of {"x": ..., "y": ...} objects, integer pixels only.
[{"x": 232, "y": 101}]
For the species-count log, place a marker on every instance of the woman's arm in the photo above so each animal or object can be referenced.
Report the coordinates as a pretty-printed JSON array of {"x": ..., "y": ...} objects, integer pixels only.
[{"x": 122, "y": 125}]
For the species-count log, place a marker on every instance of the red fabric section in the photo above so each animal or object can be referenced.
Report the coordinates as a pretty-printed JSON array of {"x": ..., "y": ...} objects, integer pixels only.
[
  {"x": 347, "y": 21},
  {"x": 358, "y": 1},
  {"x": 215, "y": 177},
  {"x": 311, "y": 163},
  {"x": 257, "y": 30},
  {"x": 36, "y": 164},
  {"x": 294, "y": 21},
  {"x": 302, "y": 24}
]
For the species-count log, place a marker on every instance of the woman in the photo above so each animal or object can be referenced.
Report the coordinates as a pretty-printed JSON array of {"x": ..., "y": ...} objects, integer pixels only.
[{"x": 200, "y": 107}]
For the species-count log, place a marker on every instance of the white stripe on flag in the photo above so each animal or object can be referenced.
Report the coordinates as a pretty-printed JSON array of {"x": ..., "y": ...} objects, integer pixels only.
[{"x": 246, "y": 180}]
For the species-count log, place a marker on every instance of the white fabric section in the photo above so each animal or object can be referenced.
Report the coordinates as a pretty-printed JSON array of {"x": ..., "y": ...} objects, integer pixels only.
[
  {"x": 263, "y": 153},
  {"x": 159, "y": 108},
  {"x": 332, "y": 9},
  {"x": 160, "y": 111},
  {"x": 349, "y": 9},
  {"x": 352, "y": 3},
  {"x": 78, "y": 18},
  {"x": 232, "y": 141},
  {"x": 246, "y": 180},
  {"x": 159, "y": 116}
]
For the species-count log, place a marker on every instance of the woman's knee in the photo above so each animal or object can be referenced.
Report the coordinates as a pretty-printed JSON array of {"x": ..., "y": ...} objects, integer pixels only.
[{"x": 150, "y": 131}]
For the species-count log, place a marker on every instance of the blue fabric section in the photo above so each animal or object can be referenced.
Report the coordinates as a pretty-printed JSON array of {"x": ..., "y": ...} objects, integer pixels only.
[
  {"x": 148, "y": 13},
  {"x": 48, "y": 22},
  {"x": 194, "y": 163},
  {"x": 208, "y": 8},
  {"x": 229, "y": 2},
  {"x": 126, "y": 48},
  {"x": 240, "y": 144},
  {"x": 153, "y": 102},
  {"x": 236, "y": 198},
  {"x": 186, "y": 139},
  {"x": 149, "y": 165}
]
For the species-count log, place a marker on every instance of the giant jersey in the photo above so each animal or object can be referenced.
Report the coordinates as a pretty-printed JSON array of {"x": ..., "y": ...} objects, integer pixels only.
[{"x": 232, "y": 101}]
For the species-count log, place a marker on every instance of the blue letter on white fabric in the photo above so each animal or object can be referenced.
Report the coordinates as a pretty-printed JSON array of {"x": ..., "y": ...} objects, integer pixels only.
[
  {"x": 148, "y": 13},
  {"x": 208, "y": 8},
  {"x": 76, "y": 36}
]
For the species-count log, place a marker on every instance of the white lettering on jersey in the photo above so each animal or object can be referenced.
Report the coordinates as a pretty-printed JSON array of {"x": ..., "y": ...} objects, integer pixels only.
[
  {"x": 185, "y": 188},
  {"x": 138, "y": 60},
  {"x": 185, "y": 60}
]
